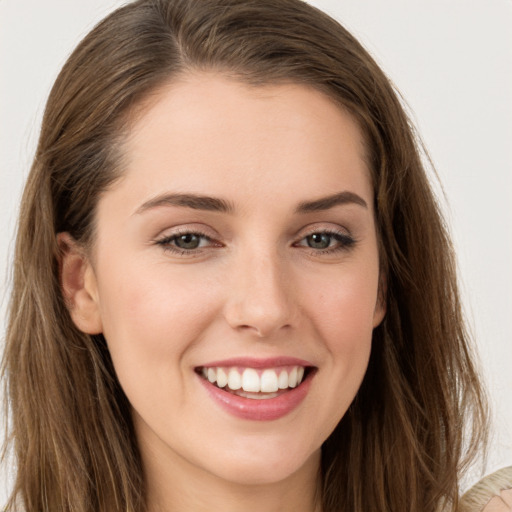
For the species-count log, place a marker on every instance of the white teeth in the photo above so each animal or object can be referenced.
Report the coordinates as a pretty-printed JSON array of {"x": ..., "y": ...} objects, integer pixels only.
[
  {"x": 234, "y": 379},
  {"x": 250, "y": 380},
  {"x": 269, "y": 381},
  {"x": 292, "y": 378},
  {"x": 222, "y": 378},
  {"x": 283, "y": 380}
]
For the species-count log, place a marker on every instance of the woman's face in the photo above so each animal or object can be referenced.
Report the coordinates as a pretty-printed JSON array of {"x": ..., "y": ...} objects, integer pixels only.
[{"x": 239, "y": 246}]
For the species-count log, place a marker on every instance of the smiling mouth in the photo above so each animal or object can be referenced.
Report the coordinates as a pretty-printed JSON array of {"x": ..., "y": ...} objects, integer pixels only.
[{"x": 257, "y": 384}]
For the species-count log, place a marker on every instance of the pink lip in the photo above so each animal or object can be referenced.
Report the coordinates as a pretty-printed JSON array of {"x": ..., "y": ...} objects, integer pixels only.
[
  {"x": 258, "y": 410},
  {"x": 250, "y": 362}
]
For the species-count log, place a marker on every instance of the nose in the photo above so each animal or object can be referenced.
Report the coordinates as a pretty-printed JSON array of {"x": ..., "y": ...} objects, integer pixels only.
[{"x": 260, "y": 296}]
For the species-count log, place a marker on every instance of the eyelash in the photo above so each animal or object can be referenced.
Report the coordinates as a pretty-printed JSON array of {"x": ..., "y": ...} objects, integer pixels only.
[
  {"x": 345, "y": 242},
  {"x": 166, "y": 242}
]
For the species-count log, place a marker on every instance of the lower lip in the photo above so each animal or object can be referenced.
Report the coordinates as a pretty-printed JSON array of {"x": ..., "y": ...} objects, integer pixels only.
[{"x": 259, "y": 410}]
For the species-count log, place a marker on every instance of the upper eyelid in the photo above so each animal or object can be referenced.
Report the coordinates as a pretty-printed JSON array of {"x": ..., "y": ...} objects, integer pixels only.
[
  {"x": 342, "y": 236},
  {"x": 326, "y": 230},
  {"x": 303, "y": 232},
  {"x": 331, "y": 232},
  {"x": 335, "y": 230},
  {"x": 174, "y": 236},
  {"x": 175, "y": 231}
]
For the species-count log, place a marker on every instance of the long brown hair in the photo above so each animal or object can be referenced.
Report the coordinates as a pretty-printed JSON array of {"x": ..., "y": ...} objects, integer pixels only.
[{"x": 419, "y": 416}]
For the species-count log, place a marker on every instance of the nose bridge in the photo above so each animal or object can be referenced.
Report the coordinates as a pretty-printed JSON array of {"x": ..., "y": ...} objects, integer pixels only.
[{"x": 259, "y": 296}]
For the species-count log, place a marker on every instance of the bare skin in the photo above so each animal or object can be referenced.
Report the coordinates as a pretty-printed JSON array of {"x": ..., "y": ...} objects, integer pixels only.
[
  {"x": 279, "y": 261},
  {"x": 501, "y": 503}
]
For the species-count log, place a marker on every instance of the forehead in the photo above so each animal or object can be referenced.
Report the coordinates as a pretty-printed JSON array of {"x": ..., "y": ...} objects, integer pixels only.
[{"x": 210, "y": 134}]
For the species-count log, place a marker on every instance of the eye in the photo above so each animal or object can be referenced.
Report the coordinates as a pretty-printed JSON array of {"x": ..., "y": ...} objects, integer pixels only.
[
  {"x": 319, "y": 240},
  {"x": 186, "y": 242},
  {"x": 327, "y": 241}
]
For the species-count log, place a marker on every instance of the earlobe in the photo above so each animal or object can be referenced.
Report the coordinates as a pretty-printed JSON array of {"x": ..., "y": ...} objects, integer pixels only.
[
  {"x": 381, "y": 305},
  {"x": 380, "y": 313},
  {"x": 78, "y": 284}
]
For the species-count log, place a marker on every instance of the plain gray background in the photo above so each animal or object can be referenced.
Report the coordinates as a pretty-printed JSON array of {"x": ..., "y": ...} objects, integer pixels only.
[{"x": 452, "y": 62}]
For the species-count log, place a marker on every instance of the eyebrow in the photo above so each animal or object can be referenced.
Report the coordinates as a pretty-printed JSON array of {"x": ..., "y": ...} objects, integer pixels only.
[
  {"x": 196, "y": 202},
  {"x": 214, "y": 204},
  {"x": 325, "y": 203}
]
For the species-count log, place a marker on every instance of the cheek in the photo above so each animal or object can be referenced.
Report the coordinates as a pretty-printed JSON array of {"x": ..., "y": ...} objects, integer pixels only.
[
  {"x": 347, "y": 332},
  {"x": 152, "y": 318},
  {"x": 342, "y": 312},
  {"x": 343, "y": 306}
]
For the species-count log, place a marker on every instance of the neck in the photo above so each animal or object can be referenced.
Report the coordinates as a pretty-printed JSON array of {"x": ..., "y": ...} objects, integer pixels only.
[
  {"x": 200, "y": 498},
  {"x": 174, "y": 486}
]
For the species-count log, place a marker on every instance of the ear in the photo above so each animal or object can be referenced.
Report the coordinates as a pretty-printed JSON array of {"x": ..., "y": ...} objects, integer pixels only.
[
  {"x": 79, "y": 287},
  {"x": 381, "y": 305}
]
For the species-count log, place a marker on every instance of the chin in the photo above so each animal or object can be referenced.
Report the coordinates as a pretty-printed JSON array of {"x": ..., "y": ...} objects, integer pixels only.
[{"x": 262, "y": 468}]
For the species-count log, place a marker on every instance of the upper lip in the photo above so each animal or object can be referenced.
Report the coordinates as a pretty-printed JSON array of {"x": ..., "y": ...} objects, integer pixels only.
[{"x": 252, "y": 362}]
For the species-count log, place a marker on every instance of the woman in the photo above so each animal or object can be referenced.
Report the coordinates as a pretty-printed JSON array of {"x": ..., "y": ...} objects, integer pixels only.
[{"x": 233, "y": 287}]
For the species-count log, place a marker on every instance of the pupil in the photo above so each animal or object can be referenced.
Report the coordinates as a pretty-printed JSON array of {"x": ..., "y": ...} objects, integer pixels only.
[
  {"x": 319, "y": 240},
  {"x": 188, "y": 241}
]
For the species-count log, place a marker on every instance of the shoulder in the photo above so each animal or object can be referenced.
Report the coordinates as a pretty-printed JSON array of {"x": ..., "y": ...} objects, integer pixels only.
[{"x": 492, "y": 494}]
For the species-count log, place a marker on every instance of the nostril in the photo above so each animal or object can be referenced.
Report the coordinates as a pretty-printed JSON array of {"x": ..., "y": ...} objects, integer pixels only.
[
  {"x": 259, "y": 301},
  {"x": 263, "y": 331}
]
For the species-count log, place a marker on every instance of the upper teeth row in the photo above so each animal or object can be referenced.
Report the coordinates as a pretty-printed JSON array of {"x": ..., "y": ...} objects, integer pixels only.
[{"x": 269, "y": 380}]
